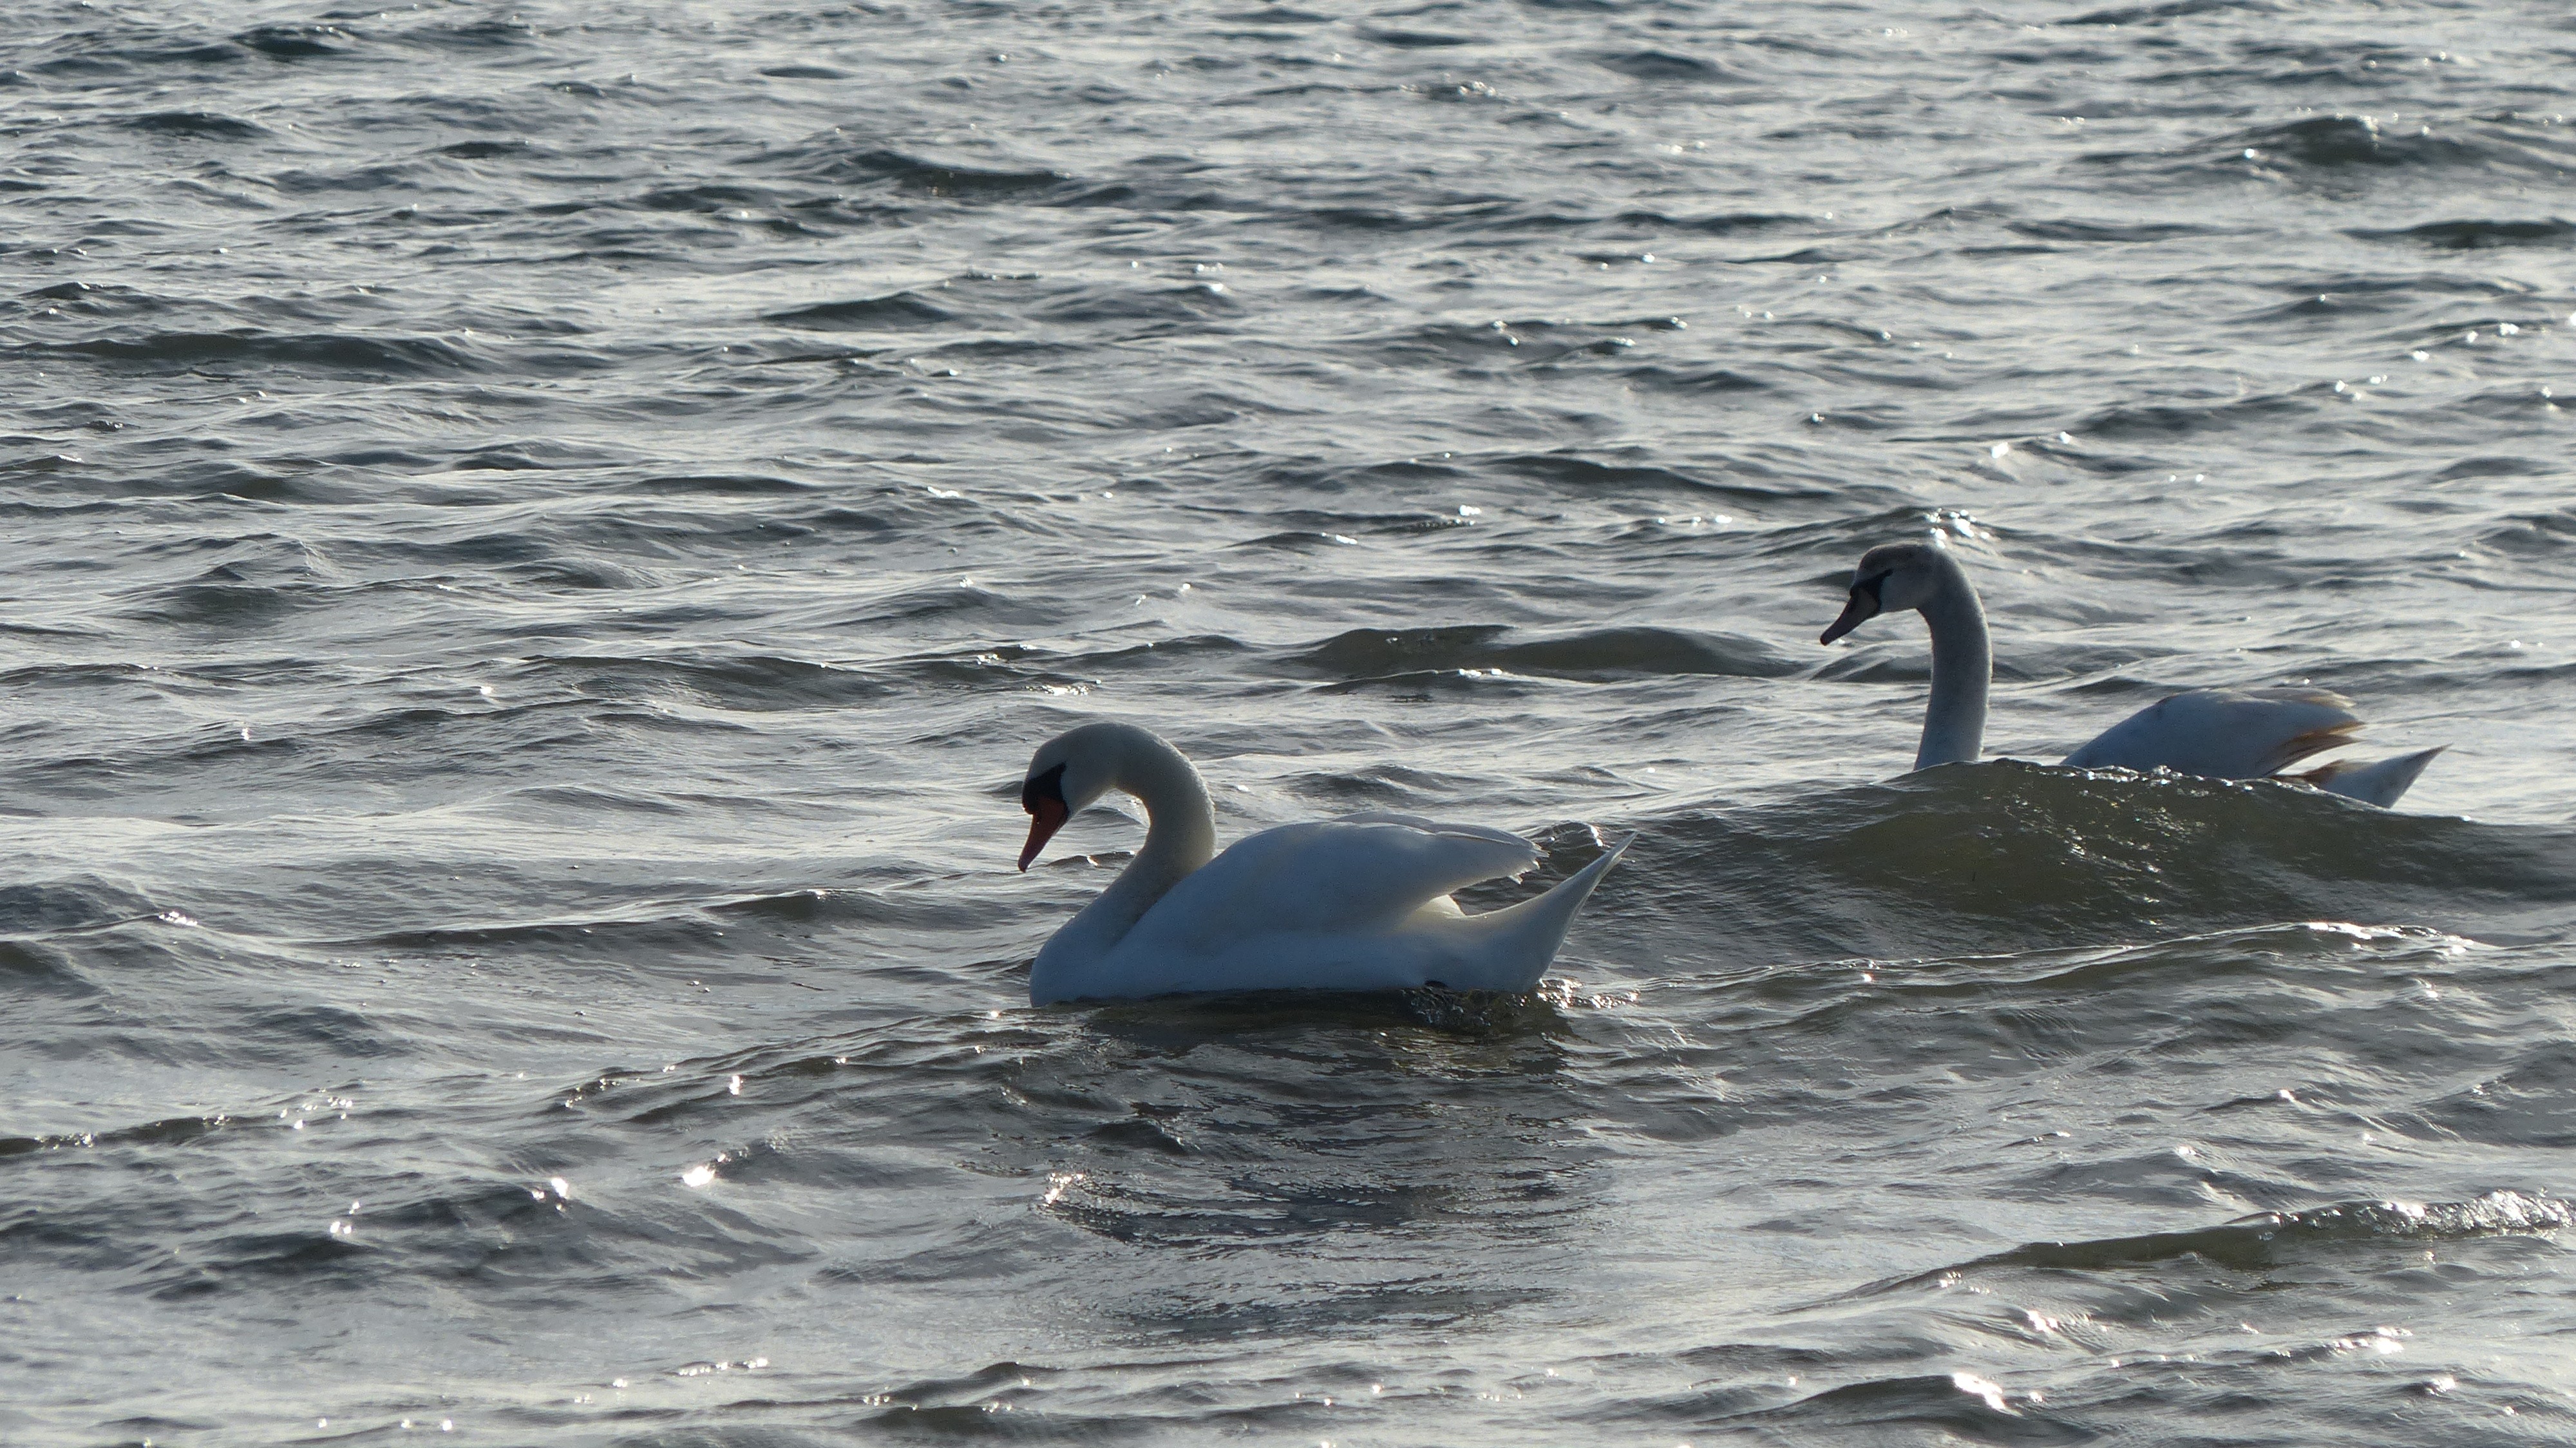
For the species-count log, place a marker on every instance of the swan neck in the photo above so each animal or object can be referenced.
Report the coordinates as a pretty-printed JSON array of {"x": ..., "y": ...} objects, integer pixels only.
[
  {"x": 1180, "y": 819},
  {"x": 1180, "y": 836},
  {"x": 1954, "y": 722}
]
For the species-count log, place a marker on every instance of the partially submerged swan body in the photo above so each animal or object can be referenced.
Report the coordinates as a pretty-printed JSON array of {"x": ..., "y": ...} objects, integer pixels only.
[
  {"x": 1357, "y": 903},
  {"x": 2221, "y": 733}
]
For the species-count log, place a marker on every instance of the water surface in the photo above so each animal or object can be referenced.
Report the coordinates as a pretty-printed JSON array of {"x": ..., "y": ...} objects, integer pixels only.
[{"x": 539, "y": 541}]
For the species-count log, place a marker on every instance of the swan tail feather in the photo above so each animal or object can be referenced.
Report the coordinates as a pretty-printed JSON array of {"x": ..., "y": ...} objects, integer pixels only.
[
  {"x": 1510, "y": 949},
  {"x": 2379, "y": 782}
]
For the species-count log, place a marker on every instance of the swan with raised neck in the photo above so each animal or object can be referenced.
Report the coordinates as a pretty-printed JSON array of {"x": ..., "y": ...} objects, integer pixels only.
[
  {"x": 1069, "y": 774},
  {"x": 1925, "y": 578},
  {"x": 1357, "y": 903},
  {"x": 2222, "y": 733}
]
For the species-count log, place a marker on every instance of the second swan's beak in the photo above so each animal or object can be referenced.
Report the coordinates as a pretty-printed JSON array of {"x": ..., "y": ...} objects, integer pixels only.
[
  {"x": 1046, "y": 816},
  {"x": 1862, "y": 608}
]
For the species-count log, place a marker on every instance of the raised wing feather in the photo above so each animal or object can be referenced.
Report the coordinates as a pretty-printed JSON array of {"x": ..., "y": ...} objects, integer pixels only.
[
  {"x": 1447, "y": 827},
  {"x": 2224, "y": 733},
  {"x": 1362, "y": 875}
]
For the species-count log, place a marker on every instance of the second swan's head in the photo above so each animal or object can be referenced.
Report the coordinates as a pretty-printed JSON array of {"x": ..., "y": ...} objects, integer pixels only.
[
  {"x": 1067, "y": 774},
  {"x": 1895, "y": 576}
]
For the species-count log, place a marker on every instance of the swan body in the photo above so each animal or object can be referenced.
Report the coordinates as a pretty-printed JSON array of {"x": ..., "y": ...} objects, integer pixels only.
[
  {"x": 1357, "y": 903},
  {"x": 2221, "y": 733}
]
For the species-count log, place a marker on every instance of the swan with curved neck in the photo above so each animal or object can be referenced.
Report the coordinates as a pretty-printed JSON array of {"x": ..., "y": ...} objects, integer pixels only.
[
  {"x": 1357, "y": 903},
  {"x": 2222, "y": 733}
]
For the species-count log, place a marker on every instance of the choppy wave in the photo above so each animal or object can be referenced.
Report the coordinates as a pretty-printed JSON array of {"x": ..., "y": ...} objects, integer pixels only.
[
  {"x": 2009, "y": 856},
  {"x": 2271, "y": 1240},
  {"x": 540, "y": 545}
]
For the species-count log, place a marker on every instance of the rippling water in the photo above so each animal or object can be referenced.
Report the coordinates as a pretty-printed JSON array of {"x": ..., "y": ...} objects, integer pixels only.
[{"x": 540, "y": 540}]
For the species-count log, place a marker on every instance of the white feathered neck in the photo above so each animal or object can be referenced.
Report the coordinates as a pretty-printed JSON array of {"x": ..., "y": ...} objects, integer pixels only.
[{"x": 1180, "y": 835}]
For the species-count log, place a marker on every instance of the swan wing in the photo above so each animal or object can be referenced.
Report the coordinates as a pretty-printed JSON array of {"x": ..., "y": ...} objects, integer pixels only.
[
  {"x": 1360, "y": 876},
  {"x": 2224, "y": 733},
  {"x": 1449, "y": 827}
]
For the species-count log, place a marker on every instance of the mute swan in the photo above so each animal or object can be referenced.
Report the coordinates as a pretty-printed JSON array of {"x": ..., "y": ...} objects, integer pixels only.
[
  {"x": 2223, "y": 733},
  {"x": 1357, "y": 903}
]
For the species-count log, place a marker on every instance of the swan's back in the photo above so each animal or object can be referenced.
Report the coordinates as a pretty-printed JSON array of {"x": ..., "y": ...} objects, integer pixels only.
[
  {"x": 1352, "y": 904},
  {"x": 2224, "y": 733},
  {"x": 1362, "y": 875}
]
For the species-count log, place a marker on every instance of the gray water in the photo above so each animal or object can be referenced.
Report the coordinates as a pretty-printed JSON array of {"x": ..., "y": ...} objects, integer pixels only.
[{"x": 539, "y": 541}]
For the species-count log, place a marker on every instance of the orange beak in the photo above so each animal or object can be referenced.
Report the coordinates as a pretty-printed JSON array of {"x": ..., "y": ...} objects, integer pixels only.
[{"x": 1046, "y": 816}]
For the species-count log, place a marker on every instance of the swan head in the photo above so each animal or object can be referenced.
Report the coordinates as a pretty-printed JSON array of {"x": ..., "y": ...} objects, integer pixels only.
[
  {"x": 1895, "y": 576},
  {"x": 1066, "y": 776}
]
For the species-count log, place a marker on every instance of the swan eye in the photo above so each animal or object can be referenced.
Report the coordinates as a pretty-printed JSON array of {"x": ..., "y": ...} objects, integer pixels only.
[
  {"x": 1048, "y": 786},
  {"x": 1870, "y": 586}
]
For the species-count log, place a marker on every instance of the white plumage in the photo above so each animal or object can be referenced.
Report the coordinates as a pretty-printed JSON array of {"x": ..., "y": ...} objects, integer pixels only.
[
  {"x": 2222, "y": 733},
  {"x": 1357, "y": 903}
]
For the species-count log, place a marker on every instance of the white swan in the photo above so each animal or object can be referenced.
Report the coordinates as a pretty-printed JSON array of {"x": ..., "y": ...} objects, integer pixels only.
[
  {"x": 2223, "y": 733},
  {"x": 1357, "y": 903}
]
